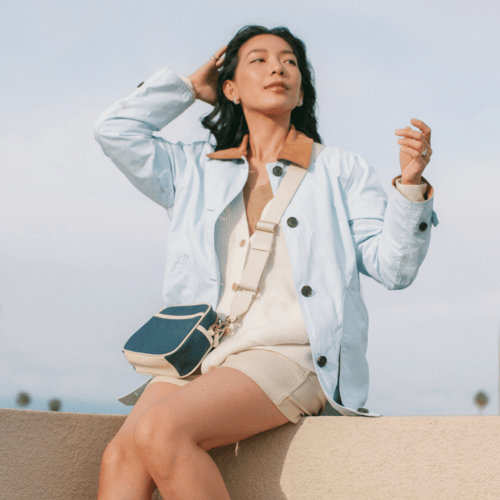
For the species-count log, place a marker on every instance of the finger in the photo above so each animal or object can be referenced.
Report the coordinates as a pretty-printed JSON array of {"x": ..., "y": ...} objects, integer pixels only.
[
  {"x": 409, "y": 133},
  {"x": 414, "y": 140},
  {"x": 219, "y": 62},
  {"x": 422, "y": 126},
  {"x": 218, "y": 55},
  {"x": 412, "y": 143},
  {"x": 416, "y": 145},
  {"x": 221, "y": 51},
  {"x": 415, "y": 135}
]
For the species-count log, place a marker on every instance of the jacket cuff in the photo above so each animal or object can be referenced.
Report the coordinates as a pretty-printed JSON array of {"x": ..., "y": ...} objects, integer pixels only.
[
  {"x": 156, "y": 102},
  {"x": 188, "y": 83},
  {"x": 409, "y": 226}
]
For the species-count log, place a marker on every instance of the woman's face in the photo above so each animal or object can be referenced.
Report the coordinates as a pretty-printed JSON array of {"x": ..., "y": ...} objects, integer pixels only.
[{"x": 265, "y": 61}]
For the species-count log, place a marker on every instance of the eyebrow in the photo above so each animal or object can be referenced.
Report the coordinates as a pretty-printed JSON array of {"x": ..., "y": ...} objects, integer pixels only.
[{"x": 285, "y": 51}]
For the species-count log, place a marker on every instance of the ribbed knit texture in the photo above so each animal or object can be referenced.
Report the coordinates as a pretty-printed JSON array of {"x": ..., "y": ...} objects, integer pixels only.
[
  {"x": 412, "y": 192},
  {"x": 274, "y": 320}
]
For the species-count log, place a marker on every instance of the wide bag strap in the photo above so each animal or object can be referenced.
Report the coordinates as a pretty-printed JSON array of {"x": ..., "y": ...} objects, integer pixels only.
[{"x": 264, "y": 235}]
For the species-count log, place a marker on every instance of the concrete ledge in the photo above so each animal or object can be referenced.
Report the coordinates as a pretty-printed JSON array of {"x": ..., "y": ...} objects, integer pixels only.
[{"x": 49, "y": 456}]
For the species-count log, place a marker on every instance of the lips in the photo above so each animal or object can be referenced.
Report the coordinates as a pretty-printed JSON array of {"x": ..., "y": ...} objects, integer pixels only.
[{"x": 277, "y": 84}]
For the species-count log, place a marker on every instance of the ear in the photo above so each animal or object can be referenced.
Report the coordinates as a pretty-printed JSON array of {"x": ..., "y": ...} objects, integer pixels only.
[{"x": 230, "y": 90}]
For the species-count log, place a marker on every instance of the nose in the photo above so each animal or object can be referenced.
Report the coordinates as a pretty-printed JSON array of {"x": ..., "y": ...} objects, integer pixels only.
[{"x": 278, "y": 68}]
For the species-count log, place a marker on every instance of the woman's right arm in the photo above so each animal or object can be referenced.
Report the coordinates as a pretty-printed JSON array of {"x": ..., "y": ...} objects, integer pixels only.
[
  {"x": 126, "y": 130},
  {"x": 125, "y": 133}
]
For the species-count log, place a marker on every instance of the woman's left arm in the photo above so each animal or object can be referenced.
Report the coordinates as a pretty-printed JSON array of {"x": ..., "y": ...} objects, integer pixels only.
[{"x": 392, "y": 237}]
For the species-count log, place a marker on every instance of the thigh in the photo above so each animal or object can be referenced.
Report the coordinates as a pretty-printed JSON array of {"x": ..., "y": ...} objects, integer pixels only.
[
  {"x": 177, "y": 381},
  {"x": 218, "y": 408}
]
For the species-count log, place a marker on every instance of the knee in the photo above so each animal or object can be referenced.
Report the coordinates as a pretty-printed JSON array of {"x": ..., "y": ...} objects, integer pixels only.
[
  {"x": 158, "y": 440},
  {"x": 116, "y": 456}
]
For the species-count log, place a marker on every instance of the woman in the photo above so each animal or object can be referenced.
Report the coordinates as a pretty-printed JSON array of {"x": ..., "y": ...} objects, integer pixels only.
[{"x": 303, "y": 340}]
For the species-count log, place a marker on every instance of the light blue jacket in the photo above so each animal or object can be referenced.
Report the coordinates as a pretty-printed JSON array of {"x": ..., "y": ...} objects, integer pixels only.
[{"x": 346, "y": 226}]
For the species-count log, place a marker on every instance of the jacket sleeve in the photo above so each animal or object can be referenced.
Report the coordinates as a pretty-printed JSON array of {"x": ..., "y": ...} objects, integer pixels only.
[
  {"x": 391, "y": 235},
  {"x": 126, "y": 134}
]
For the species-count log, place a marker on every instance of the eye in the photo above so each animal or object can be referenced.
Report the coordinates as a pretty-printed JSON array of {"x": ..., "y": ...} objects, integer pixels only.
[
  {"x": 255, "y": 60},
  {"x": 291, "y": 61}
]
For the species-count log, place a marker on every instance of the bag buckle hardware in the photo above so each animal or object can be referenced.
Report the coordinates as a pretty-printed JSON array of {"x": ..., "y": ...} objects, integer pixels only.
[
  {"x": 266, "y": 226},
  {"x": 253, "y": 293},
  {"x": 219, "y": 330}
]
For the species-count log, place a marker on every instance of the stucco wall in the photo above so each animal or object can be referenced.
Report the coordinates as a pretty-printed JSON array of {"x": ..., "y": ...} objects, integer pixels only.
[{"x": 50, "y": 456}]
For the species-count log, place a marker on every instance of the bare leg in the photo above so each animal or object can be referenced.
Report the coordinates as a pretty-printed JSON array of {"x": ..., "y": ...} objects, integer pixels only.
[
  {"x": 221, "y": 407},
  {"x": 123, "y": 475}
]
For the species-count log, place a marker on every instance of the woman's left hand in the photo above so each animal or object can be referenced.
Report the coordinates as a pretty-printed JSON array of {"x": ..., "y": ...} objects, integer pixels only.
[{"x": 415, "y": 152}]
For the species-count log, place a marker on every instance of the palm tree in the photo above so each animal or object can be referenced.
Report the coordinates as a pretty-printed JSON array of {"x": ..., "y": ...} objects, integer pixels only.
[
  {"x": 481, "y": 399},
  {"x": 23, "y": 399},
  {"x": 55, "y": 405}
]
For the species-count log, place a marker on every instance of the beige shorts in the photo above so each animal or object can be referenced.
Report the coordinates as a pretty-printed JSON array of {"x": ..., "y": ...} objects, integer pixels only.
[{"x": 294, "y": 389}]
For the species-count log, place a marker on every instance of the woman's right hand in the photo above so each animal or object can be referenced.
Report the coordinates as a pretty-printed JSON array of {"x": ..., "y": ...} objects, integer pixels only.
[{"x": 204, "y": 80}]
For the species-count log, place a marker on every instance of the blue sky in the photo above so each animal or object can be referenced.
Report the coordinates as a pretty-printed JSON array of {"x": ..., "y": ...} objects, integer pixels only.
[{"x": 82, "y": 253}]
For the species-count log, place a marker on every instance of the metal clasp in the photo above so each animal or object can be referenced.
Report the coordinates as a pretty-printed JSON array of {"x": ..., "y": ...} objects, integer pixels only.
[{"x": 220, "y": 329}]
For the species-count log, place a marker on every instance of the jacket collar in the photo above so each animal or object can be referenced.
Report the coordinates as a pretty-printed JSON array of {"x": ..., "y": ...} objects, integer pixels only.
[{"x": 297, "y": 148}]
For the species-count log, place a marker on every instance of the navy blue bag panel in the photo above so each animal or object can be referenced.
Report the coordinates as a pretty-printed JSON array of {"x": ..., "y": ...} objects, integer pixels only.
[
  {"x": 160, "y": 336},
  {"x": 188, "y": 357}
]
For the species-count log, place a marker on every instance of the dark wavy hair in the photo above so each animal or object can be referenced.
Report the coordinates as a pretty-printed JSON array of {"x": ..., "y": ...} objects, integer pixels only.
[{"x": 227, "y": 122}]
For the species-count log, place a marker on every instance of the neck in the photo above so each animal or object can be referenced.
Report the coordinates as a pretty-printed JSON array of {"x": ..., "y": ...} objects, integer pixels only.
[{"x": 267, "y": 135}]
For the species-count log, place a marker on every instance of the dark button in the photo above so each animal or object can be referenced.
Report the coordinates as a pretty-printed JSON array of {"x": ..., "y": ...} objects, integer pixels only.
[
  {"x": 322, "y": 361},
  {"x": 142, "y": 83},
  {"x": 423, "y": 226},
  {"x": 278, "y": 171},
  {"x": 363, "y": 410},
  {"x": 306, "y": 291},
  {"x": 292, "y": 222}
]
